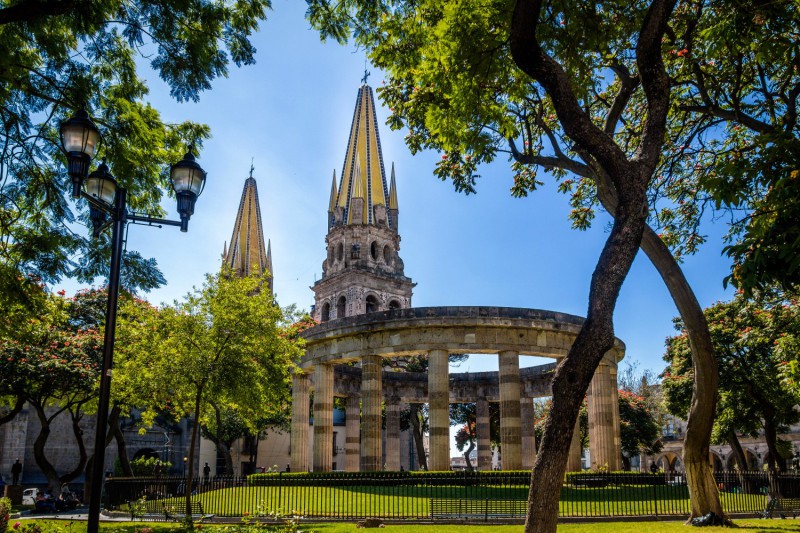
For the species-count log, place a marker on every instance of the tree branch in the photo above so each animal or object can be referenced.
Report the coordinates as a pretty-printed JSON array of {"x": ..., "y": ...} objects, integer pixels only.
[
  {"x": 655, "y": 82},
  {"x": 529, "y": 56}
]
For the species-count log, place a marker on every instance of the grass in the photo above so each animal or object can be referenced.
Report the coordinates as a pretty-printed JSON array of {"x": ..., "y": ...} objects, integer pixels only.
[
  {"x": 414, "y": 501},
  {"x": 751, "y": 525}
]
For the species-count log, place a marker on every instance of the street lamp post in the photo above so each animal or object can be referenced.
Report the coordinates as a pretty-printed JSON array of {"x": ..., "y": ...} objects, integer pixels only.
[{"x": 80, "y": 139}]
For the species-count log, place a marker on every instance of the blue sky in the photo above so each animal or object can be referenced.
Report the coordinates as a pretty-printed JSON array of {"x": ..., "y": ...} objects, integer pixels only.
[{"x": 291, "y": 112}]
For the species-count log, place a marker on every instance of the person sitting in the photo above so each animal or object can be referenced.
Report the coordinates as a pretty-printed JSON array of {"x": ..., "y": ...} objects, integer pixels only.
[{"x": 44, "y": 505}]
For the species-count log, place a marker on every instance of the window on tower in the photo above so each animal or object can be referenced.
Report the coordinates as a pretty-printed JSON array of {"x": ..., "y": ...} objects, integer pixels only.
[
  {"x": 341, "y": 306},
  {"x": 326, "y": 311},
  {"x": 373, "y": 250},
  {"x": 372, "y": 304},
  {"x": 355, "y": 251},
  {"x": 394, "y": 304}
]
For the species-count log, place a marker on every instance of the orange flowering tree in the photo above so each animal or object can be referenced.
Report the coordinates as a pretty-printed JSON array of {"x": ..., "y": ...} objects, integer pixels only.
[
  {"x": 755, "y": 344},
  {"x": 53, "y": 363}
]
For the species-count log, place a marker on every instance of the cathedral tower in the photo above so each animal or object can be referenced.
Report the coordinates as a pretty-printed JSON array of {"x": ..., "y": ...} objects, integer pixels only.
[
  {"x": 247, "y": 254},
  {"x": 363, "y": 271}
]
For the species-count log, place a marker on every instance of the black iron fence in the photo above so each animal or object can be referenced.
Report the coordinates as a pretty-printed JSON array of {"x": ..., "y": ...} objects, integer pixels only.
[{"x": 438, "y": 495}]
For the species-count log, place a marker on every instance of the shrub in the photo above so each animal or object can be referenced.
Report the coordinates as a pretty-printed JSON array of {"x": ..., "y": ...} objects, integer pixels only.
[{"x": 5, "y": 510}]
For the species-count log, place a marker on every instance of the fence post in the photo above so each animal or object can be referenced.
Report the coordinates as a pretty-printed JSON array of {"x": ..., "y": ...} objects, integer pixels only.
[{"x": 655, "y": 493}]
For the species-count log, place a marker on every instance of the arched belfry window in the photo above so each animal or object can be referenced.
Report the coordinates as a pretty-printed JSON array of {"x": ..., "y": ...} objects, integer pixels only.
[
  {"x": 394, "y": 304},
  {"x": 372, "y": 304},
  {"x": 326, "y": 311},
  {"x": 341, "y": 306}
]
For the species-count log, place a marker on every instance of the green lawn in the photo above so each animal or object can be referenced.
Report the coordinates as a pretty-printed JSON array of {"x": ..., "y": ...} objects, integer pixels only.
[
  {"x": 765, "y": 526},
  {"x": 414, "y": 501}
]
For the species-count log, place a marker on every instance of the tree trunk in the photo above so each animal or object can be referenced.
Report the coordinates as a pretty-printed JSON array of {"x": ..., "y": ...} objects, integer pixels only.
[
  {"x": 575, "y": 371},
  {"x": 76, "y": 415},
  {"x": 53, "y": 482},
  {"x": 466, "y": 455},
  {"x": 700, "y": 477},
  {"x": 416, "y": 432},
  {"x": 630, "y": 179},
  {"x": 774, "y": 461},
  {"x": 741, "y": 461},
  {"x": 115, "y": 430},
  {"x": 703, "y": 491}
]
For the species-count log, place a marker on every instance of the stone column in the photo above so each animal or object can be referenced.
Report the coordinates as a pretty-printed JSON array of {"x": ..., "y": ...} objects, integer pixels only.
[
  {"x": 439, "y": 409},
  {"x": 528, "y": 433},
  {"x": 483, "y": 431},
  {"x": 615, "y": 406},
  {"x": 510, "y": 431},
  {"x": 299, "y": 436},
  {"x": 601, "y": 420},
  {"x": 352, "y": 429},
  {"x": 371, "y": 399},
  {"x": 392, "y": 459},
  {"x": 323, "y": 418},
  {"x": 574, "y": 457}
]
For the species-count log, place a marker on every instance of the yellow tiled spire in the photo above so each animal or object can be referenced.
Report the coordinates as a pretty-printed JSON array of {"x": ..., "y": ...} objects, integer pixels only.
[
  {"x": 247, "y": 253},
  {"x": 334, "y": 194},
  {"x": 364, "y": 152},
  {"x": 358, "y": 183},
  {"x": 392, "y": 192}
]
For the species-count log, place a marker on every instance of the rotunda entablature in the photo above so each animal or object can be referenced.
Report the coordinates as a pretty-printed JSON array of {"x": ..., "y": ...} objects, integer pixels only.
[{"x": 472, "y": 330}]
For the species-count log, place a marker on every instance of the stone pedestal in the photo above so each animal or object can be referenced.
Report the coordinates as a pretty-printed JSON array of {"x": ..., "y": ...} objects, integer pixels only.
[
  {"x": 483, "y": 431},
  {"x": 391, "y": 460},
  {"x": 352, "y": 430},
  {"x": 371, "y": 399},
  {"x": 439, "y": 409},
  {"x": 299, "y": 437},
  {"x": 13, "y": 493},
  {"x": 510, "y": 430},
  {"x": 323, "y": 418},
  {"x": 528, "y": 433}
]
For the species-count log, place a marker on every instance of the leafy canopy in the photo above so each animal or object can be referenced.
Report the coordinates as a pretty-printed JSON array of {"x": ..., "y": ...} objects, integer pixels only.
[
  {"x": 732, "y": 140},
  {"x": 59, "y": 56}
]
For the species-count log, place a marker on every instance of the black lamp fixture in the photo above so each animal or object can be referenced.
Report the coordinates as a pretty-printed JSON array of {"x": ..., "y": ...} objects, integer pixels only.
[
  {"x": 80, "y": 139},
  {"x": 188, "y": 181}
]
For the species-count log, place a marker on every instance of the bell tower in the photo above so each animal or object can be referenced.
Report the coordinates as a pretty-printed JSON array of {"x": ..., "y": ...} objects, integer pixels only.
[
  {"x": 363, "y": 271},
  {"x": 247, "y": 254}
]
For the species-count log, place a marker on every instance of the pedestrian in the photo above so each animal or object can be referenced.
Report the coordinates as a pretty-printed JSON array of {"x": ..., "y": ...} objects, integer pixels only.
[
  {"x": 206, "y": 473},
  {"x": 16, "y": 470}
]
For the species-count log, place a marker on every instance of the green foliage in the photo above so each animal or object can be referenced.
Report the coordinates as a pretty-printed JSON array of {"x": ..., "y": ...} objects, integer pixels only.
[
  {"x": 5, "y": 510},
  {"x": 639, "y": 428},
  {"x": 754, "y": 342},
  {"x": 732, "y": 140},
  {"x": 227, "y": 341},
  {"x": 149, "y": 466},
  {"x": 61, "y": 56}
]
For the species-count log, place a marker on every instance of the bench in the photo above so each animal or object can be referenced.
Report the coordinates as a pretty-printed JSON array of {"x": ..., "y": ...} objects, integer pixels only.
[
  {"x": 782, "y": 506},
  {"x": 145, "y": 509},
  {"x": 477, "y": 508},
  {"x": 177, "y": 512}
]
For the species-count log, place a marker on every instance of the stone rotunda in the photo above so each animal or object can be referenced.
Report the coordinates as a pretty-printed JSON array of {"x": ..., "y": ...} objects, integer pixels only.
[{"x": 363, "y": 306}]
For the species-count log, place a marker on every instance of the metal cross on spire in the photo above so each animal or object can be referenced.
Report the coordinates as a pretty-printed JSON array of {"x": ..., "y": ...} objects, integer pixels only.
[
  {"x": 252, "y": 168},
  {"x": 366, "y": 73}
]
